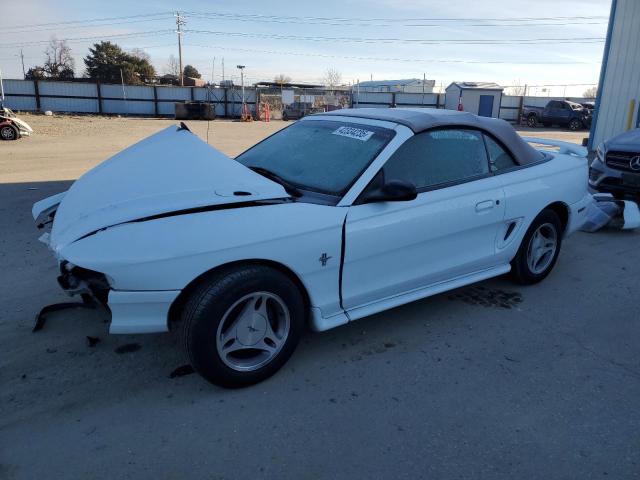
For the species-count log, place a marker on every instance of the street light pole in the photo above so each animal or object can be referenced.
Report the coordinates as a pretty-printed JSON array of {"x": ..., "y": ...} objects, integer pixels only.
[{"x": 241, "y": 68}]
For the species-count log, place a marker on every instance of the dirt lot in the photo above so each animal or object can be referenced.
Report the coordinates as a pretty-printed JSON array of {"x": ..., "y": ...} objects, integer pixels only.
[
  {"x": 64, "y": 147},
  {"x": 454, "y": 386}
]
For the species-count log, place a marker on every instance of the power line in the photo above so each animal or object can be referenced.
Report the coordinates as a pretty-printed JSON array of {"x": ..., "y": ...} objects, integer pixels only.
[
  {"x": 524, "y": 41},
  {"x": 387, "y": 59},
  {"x": 88, "y": 20},
  {"x": 152, "y": 33},
  {"x": 391, "y": 20},
  {"x": 9, "y": 32},
  {"x": 389, "y": 23}
]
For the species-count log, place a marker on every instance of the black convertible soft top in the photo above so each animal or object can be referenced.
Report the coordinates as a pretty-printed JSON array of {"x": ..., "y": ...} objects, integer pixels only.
[{"x": 421, "y": 119}]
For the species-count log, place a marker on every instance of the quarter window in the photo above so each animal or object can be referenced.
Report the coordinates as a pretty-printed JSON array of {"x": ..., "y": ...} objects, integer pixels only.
[
  {"x": 439, "y": 157},
  {"x": 499, "y": 159}
]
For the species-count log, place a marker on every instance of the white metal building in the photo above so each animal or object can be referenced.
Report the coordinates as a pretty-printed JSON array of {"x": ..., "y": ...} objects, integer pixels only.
[
  {"x": 481, "y": 98},
  {"x": 410, "y": 85},
  {"x": 617, "y": 105}
]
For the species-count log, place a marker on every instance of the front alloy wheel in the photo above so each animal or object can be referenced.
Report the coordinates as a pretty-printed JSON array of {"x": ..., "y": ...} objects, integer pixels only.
[
  {"x": 253, "y": 331},
  {"x": 240, "y": 325}
]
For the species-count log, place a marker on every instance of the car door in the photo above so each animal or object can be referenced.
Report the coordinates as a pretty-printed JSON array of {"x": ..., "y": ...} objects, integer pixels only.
[
  {"x": 448, "y": 231},
  {"x": 550, "y": 113},
  {"x": 564, "y": 113}
]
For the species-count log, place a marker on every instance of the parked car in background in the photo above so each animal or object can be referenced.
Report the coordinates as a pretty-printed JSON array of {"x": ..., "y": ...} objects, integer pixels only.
[
  {"x": 590, "y": 106},
  {"x": 616, "y": 168},
  {"x": 297, "y": 110},
  {"x": 11, "y": 127},
  {"x": 558, "y": 112},
  {"x": 337, "y": 217}
]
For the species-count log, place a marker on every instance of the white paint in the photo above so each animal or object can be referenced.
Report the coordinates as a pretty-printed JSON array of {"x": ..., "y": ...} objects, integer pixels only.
[{"x": 396, "y": 252}]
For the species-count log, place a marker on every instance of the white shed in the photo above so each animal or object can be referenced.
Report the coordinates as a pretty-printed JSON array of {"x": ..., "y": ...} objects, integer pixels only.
[{"x": 481, "y": 98}]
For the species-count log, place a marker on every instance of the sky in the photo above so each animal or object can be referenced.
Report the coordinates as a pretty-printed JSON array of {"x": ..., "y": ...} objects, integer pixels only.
[{"x": 516, "y": 42}]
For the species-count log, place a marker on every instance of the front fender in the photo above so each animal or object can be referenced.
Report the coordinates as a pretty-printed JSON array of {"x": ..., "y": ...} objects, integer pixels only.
[{"x": 168, "y": 253}]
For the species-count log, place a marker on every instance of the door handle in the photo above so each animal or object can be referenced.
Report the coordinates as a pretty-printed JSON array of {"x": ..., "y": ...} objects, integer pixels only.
[{"x": 482, "y": 206}]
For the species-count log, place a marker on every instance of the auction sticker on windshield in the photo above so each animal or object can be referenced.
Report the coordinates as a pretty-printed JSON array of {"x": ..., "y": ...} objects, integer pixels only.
[{"x": 352, "y": 132}]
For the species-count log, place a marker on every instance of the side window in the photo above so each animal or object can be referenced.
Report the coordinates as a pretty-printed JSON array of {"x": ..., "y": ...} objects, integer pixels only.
[
  {"x": 438, "y": 157},
  {"x": 499, "y": 159}
]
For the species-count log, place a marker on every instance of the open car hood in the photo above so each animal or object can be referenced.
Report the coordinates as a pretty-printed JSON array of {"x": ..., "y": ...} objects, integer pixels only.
[{"x": 168, "y": 172}]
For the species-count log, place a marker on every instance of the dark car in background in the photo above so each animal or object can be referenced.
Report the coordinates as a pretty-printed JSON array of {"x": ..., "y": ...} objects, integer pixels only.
[
  {"x": 616, "y": 168},
  {"x": 298, "y": 110},
  {"x": 558, "y": 112}
]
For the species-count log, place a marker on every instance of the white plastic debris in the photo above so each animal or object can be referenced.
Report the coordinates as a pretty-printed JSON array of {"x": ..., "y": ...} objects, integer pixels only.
[
  {"x": 604, "y": 210},
  {"x": 48, "y": 113},
  {"x": 631, "y": 215}
]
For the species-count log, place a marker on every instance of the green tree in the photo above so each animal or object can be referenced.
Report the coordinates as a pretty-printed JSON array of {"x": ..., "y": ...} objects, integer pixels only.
[
  {"x": 106, "y": 60},
  {"x": 191, "y": 71},
  {"x": 35, "y": 73}
]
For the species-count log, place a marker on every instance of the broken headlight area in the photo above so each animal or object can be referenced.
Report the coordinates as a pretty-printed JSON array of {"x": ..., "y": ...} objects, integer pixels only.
[{"x": 82, "y": 281}]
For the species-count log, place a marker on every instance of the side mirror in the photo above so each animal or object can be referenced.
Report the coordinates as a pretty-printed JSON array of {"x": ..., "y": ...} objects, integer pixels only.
[{"x": 391, "y": 191}]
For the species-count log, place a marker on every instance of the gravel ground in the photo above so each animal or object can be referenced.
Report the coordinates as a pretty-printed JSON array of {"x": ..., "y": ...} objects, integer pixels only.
[{"x": 489, "y": 381}]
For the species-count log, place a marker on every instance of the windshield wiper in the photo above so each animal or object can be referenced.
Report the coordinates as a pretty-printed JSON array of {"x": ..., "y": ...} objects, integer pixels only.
[{"x": 289, "y": 188}]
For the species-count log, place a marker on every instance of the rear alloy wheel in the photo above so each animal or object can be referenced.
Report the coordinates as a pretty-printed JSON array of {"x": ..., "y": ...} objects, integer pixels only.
[
  {"x": 240, "y": 326},
  {"x": 532, "y": 121},
  {"x": 575, "y": 124},
  {"x": 8, "y": 133},
  {"x": 539, "y": 249}
]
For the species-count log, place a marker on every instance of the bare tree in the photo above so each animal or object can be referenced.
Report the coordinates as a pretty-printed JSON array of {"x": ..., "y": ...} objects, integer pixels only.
[
  {"x": 590, "y": 92},
  {"x": 141, "y": 54},
  {"x": 281, "y": 79},
  {"x": 332, "y": 78},
  {"x": 517, "y": 89},
  {"x": 172, "y": 68},
  {"x": 59, "y": 64}
]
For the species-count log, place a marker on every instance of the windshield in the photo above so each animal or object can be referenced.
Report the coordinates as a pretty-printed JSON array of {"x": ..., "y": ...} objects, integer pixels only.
[{"x": 323, "y": 156}]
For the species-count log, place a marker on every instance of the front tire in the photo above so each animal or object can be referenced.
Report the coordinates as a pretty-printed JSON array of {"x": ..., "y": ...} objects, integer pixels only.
[
  {"x": 240, "y": 326},
  {"x": 8, "y": 133},
  {"x": 539, "y": 249}
]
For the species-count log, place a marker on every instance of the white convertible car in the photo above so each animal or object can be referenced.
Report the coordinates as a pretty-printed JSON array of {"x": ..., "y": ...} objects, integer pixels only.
[{"x": 334, "y": 218}]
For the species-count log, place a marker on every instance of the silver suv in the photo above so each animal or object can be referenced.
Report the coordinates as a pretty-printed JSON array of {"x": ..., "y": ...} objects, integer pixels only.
[{"x": 616, "y": 168}]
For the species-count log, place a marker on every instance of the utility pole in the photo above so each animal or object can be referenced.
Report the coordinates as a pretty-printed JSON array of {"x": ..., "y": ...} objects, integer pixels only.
[
  {"x": 179, "y": 23},
  {"x": 222, "y": 69},
  {"x": 24, "y": 75},
  {"x": 213, "y": 69},
  {"x": 1, "y": 92}
]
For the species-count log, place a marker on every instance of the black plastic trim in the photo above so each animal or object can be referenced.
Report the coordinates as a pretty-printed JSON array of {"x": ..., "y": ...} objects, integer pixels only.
[{"x": 342, "y": 255}]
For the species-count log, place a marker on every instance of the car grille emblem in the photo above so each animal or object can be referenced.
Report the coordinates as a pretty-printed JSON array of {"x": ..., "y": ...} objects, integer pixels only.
[
  {"x": 634, "y": 163},
  {"x": 324, "y": 258}
]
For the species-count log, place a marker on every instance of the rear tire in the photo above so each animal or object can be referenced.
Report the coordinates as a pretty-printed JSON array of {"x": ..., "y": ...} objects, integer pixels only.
[
  {"x": 8, "y": 133},
  {"x": 285, "y": 117},
  {"x": 539, "y": 249},
  {"x": 532, "y": 121},
  {"x": 240, "y": 326},
  {"x": 575, "y": 125}
]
